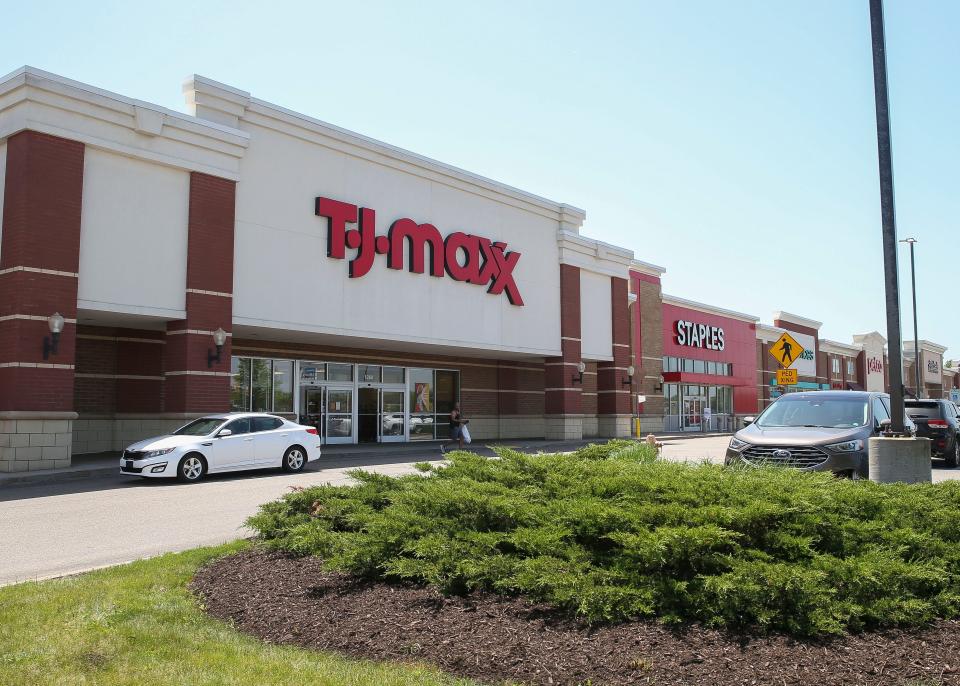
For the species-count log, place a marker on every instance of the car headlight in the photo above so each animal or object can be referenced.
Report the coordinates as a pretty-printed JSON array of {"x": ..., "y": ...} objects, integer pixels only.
[
  {"x": 845, "y": 447},
  {"x": 158, "y": 453},
  {"x": 737, "y": 444}
]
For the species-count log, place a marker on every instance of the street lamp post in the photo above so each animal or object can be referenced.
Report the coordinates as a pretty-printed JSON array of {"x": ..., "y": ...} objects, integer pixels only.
[
  {"x": 916, "y": 341},
  {"x": 888, "y": 217}
]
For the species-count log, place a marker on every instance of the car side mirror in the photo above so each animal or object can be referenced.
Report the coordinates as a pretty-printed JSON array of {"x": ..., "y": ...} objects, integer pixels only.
[
  {"x": 223, "y": 433},
  {"x": 884, "y": 425},
  {"x": 747, "y": 421}
]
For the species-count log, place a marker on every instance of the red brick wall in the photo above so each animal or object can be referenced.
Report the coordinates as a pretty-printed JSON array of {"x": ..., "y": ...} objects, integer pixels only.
[
  {"x": 118, "y": 371},
  {"x": 191, "y": 385},
  {"x": 613, "y": 397},
  {"x": 43, "y": 193},
  {"x": 648, "y": 341},
  {"x": 559, "y": 371}
]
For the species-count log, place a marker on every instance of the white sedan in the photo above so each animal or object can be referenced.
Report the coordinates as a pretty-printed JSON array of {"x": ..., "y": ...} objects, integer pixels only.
[{"x": 224, "y": 443}]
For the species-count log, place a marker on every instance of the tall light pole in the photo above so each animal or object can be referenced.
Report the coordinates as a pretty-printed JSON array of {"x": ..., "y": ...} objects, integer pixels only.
[
  {"x": 888, "y": 217},
  {"x": 916, "y": 341}
]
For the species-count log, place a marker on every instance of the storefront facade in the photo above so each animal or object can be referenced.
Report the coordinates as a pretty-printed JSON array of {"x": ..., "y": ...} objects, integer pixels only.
[
  {"x": 243, "y": 256},
  {"x": 708, "y": 365}
]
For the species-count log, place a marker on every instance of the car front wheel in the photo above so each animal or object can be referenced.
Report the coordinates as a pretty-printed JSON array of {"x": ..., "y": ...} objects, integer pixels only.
[
  {"x": 295, "y": 459},
  {"x": 191, "y": 468}
]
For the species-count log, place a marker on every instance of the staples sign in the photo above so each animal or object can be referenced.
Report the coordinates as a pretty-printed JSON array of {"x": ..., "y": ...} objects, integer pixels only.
[
  {"x": 699, "y": 335},
  {"x": 418, "y": 247}
]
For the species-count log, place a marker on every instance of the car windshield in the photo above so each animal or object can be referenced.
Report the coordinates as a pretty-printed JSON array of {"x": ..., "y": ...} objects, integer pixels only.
[
  {"x": 833, "y": 413},
  {"x": 199, "y": 427}
]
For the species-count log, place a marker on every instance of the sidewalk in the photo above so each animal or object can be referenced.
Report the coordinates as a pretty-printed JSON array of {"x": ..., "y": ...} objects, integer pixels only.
[{"x": 100, "y": 464}]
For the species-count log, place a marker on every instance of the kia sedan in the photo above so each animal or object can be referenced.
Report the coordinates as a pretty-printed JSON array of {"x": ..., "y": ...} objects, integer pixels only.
[
  {"x": 814, "y": 431},
  {"x": 224, "y": 443}
]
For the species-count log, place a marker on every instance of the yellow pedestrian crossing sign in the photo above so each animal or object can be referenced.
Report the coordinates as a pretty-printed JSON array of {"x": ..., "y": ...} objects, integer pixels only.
[{"x": 786, "y": 350}]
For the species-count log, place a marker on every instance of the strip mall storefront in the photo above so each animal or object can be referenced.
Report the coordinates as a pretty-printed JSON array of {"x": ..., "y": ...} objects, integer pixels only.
[
  {"x": 156, "y": 266},
  {"x": 708, "y": 366}
]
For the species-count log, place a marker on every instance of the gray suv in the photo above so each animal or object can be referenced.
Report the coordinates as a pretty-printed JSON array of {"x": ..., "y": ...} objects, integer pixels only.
[{"x": 815, "y": 431}]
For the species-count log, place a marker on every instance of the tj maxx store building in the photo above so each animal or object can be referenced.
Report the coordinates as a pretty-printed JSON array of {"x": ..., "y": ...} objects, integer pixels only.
[{"x": 351, "y": 285}]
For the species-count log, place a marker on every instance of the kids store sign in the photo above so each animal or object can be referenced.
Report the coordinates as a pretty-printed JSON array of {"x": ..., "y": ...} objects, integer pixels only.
[{"x": 418, "y": 247}]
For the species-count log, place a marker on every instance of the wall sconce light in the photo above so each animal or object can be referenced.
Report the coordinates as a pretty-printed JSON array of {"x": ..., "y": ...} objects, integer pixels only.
[
  {"x": 581, "y": 368},
  {"x": 659, "y": 387},
  {"x": 52, "y": 342},
  {"x": 219, "y": 338},
  {"x": 629, "y": 380}
]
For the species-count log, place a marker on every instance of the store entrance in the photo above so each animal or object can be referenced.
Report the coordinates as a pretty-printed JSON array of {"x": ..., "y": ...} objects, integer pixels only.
[
  {"x": 381, "y": 417},
  {"x": 330, "y": 410},
  {"x": 368, "y": 406},
  {"x": 692, "y": 413}
]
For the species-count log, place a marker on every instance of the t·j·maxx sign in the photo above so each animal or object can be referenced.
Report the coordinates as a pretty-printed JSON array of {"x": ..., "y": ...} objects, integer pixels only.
[{"x": 487, "y": 263}]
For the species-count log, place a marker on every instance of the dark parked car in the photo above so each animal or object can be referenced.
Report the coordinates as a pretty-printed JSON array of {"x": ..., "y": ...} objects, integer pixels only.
[
  {"x": 815, "y": 431},
  {"x": 938, "y": 421}
]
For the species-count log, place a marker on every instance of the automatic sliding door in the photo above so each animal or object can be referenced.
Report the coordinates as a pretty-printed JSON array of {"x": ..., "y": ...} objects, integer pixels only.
[
  {"x": 339, "y": 415},
  {"x": 392, "y": 416}
]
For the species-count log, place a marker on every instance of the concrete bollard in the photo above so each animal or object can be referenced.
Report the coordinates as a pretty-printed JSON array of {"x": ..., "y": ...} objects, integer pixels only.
[{"x": 904, "y": 460}]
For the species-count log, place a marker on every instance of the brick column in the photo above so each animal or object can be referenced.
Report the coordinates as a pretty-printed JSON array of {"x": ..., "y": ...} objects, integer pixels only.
[
  {"x": 39, "y": 263},
  {"x": 192, "y": 387},
  {"x": 562, "y": 406},
  {"x": 648, "y": 348},
  {"x": 613, "y": 397}
]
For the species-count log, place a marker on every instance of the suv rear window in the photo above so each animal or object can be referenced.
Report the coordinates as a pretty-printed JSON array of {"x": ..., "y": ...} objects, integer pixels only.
[{"x": 923, "y": 409}]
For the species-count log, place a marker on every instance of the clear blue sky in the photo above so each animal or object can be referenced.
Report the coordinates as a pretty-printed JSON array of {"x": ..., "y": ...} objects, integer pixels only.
[{"x": 731, "y": 142}]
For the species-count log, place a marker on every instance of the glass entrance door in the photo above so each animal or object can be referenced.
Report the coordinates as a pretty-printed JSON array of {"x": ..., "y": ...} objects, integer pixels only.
[
  {"x": 381, "y": 415},
  {"x": 393, "y": 416},
  {"x": 338, "y": 416},
  {"x": 311, "y": 408},
  {"x": 368, "y": 415}
]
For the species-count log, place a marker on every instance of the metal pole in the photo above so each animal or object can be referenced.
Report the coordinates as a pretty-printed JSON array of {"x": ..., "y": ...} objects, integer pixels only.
[
  {"x": 888, "y": 216},
  {"x": 916, "y": 340}
]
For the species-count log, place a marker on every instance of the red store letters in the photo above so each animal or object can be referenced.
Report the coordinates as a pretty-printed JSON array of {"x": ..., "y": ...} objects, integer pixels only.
[{"x": 488, "y": 263}]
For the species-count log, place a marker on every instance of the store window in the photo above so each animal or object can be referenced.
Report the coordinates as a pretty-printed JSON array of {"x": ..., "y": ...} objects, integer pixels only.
[
  {"x": 338, "y": 371},
  {"x": 368, "y": 373},
  {"x": 283, "y": 386},
  {"x": 239, "y": 383},
  {"x": 421, "y": 404},
  {"x": 393, "y": 375},
  {"x": 679, "y": 364},
  {"x": 261, "y": 385}
]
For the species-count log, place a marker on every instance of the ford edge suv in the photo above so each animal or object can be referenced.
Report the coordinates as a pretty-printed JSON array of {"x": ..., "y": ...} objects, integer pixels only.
[{"x": 814, "y": 431}]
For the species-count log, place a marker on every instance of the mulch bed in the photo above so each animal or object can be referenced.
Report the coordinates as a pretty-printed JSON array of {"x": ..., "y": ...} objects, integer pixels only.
[{"x": 296, "y": 601}]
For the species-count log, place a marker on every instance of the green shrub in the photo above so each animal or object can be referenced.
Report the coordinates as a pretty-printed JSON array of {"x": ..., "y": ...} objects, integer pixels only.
[{"x": 610, "y": 533}]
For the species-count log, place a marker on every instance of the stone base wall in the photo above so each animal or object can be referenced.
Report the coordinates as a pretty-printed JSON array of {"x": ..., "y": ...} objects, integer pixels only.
[
  {"x": 498, "y": 427},
  {"x": 651, "y": 424},
  {"x": 614, "y": 425},
  {"x": 98, "y": 435},
  {"x": 590, "y": 426},
  {"x": 564, "y": 427},
  {"x": 33, "y": 441}
]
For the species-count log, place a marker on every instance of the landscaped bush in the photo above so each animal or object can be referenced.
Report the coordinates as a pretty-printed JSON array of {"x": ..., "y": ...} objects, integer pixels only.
[{"x": 611, "y": 533}]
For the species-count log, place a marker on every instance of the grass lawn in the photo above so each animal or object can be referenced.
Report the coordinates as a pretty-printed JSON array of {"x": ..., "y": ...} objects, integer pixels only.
[{"x": 137, "y": 624}]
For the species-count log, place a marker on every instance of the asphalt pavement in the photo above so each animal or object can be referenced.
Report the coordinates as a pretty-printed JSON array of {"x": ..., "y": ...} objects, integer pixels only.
[{"x": 64, "y": 526}]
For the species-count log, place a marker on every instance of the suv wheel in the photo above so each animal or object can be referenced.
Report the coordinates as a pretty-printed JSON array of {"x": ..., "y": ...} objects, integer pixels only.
[{"x": 953, "y": 458}]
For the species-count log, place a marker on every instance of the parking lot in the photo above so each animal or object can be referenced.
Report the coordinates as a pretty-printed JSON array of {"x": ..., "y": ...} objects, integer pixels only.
[{"x": 62, "y": 527}]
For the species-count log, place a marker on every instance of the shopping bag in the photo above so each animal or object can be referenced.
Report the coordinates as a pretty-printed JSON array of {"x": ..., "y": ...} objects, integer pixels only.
[{"x": 465, "y": 432}]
